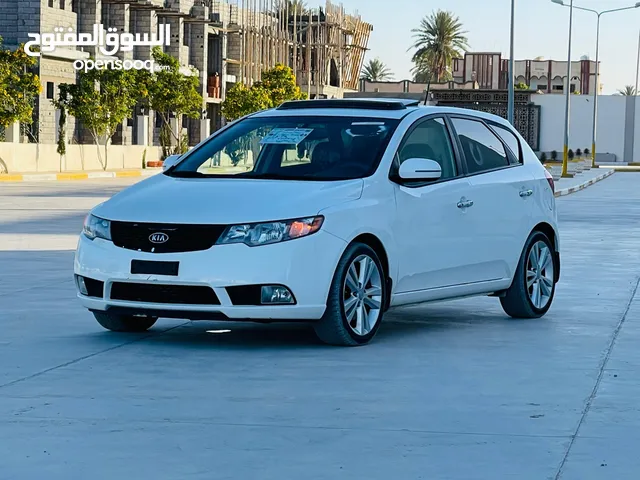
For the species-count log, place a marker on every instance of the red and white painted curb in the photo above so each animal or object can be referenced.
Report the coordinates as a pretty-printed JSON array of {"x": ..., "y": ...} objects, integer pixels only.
[{"x": 582, "y": 186}]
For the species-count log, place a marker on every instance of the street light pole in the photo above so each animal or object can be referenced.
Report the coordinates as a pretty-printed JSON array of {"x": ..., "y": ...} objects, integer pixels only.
[
  {"x": 596, "y": 91},
  {"x": 567, "y": 101},
  {"x": 511, "y": 86},
  {"x": 595, "y": 97},
  {"x": 637, "y": 66}
]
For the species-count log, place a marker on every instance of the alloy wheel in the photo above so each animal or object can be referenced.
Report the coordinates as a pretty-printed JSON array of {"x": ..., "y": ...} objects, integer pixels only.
[
  {"x": 540, "y": 274},
  {"x": 362, "y": 295}
]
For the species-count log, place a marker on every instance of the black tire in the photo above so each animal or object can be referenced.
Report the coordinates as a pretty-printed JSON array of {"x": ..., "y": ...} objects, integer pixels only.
[
  {"x": 517, "y": 302},
  {"x": 333, "y": 328},
  {"x": 124, "y": 323}
]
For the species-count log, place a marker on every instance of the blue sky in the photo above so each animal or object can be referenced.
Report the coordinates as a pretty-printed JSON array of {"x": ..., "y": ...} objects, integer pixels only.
[{"x": 541, "y": 30}]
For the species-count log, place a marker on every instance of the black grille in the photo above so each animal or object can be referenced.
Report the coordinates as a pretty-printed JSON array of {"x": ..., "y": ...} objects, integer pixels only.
[
  {"x": 158, "y": 293},
  {"x": 179, "y": 238}
]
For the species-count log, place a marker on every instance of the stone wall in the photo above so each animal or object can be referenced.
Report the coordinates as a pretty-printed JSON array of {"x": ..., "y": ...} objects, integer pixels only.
[
  {"x": 54, "y": 72},
  {"x": 17, "y": 19},
  {"x": 32, "y": 158}
]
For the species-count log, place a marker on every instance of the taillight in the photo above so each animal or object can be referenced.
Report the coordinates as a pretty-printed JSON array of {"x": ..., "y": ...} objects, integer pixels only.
[{"x": 550, "y": 180}]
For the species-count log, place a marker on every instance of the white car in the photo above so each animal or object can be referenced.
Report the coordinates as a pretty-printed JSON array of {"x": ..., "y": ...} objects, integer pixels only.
[{"x": 329, "y": 212}]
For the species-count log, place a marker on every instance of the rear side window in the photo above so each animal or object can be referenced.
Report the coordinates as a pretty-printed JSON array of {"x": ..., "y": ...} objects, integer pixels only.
[
  {"x": 482, "y": 149},
  {"x": 510, "y": 139}
]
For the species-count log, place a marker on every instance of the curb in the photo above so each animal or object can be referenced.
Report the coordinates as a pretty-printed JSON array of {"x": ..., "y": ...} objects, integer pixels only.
[
  {"x": 582, "y": 186},
  {"x": 51, "y": 177}
]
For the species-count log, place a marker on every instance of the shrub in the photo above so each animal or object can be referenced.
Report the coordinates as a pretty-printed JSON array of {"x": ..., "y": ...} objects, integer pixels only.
[
  {"x": 578, "y": 152},
  {"x": 570, "y": 154},
  {"x": 543, "y": 157},
  {"x": 586, "y": 151},
  {"x": 554, "y": 155}
]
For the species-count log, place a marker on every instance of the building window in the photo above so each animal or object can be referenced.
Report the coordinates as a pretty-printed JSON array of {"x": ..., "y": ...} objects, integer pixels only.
[
  {"x": 50, "y": 90},
  {"x": 541, "y": 86},
  {"x": 557, "y": 88},
  {"x": 62, "y": 5},
  {"x": 50, "y": 3},
  {"x": 572, "y": 88},
  {"x": 74, "y": 6}
]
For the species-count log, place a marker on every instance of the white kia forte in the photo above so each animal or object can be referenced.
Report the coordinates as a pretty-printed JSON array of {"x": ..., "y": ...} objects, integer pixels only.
[{"x": 329, "y": 212}]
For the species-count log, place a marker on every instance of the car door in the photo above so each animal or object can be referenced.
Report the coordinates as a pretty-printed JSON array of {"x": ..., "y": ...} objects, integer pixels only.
[
  {"x": 432, "y": 231},
  {"x": 501, "y": 192}
]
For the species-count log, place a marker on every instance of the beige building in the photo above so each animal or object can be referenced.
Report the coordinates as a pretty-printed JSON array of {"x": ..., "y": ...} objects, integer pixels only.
[
  {"x": 489, "y": 71},
  {"x": 225, "y": 41}
]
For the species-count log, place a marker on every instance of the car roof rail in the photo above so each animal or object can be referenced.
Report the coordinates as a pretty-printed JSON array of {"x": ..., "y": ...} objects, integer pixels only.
[{"x": 348, "y": 103}]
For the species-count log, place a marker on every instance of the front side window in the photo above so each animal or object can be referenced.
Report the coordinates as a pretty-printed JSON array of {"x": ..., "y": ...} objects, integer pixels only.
[
  {"x": 430, "y": 140},
  {"x": 482, "y": 149},
  {"x": 292, "y": 147}
]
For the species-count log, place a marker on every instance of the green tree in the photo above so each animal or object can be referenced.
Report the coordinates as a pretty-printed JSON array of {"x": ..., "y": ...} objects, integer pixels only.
[
  {"x": 101, "y": 99},
  {"x": 438, "y": 40},
  {"x": 169, "y": 92},
  {"x": 277, "y": 85},
  {"x": 241, "y": 100},
  {"x": 280, "y": 84},
  {"x": 627, "y": 91},
  {"x": 18, "y": 86},
  {"x": 376, "y": 71}
]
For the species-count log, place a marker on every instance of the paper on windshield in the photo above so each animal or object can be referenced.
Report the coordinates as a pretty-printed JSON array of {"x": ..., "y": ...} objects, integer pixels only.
[{"x": 286, "y": 136}]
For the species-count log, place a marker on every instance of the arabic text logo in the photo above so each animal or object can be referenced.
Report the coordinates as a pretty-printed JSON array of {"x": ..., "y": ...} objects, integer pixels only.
[{"x": 108, "y": 41}]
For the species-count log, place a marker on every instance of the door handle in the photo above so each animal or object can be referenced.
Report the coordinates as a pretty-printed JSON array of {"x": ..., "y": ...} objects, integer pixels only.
[
  {"x": 465, "y": 203},
  {"x": 526, "y": 193}
]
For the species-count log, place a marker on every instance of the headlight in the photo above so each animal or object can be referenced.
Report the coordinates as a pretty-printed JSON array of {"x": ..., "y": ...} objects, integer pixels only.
[
  {"x": 272, "y": 232},
  {"x": 95, "y": 227}
]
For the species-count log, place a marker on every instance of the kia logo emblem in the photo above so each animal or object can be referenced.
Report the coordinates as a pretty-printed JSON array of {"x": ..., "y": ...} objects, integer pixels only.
[{"x": 158, "y": 238}]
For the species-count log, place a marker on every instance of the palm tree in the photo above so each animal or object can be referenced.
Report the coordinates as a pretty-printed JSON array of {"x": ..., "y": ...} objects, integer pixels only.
[
  {"x": 439, "y": 39},
  {"x": 627, "y": 91},
  {"x": 291, "y": 6},
  {"x": 376, "y": 71}
]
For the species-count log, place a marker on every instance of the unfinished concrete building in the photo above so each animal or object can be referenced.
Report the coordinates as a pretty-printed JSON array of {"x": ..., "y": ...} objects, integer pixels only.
[{"x": 225, "y": 41}]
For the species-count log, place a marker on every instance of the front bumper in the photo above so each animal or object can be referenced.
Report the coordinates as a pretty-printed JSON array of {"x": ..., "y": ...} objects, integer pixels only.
[{"x": 305, "y": 266}]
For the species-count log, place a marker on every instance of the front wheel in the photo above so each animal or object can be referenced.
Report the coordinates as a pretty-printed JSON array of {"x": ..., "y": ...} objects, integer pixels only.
[
  {"x": 124, "y": 323},
  {"x": 356, "y": 299},
  {"x": 534, "y": 286}
]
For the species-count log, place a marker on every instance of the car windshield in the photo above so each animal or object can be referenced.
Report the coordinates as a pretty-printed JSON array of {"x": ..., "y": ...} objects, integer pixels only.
[{"x": 292, "y": 147}]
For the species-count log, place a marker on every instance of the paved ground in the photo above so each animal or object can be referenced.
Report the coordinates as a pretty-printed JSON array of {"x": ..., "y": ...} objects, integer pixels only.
[{"x": 448, "y": 391}]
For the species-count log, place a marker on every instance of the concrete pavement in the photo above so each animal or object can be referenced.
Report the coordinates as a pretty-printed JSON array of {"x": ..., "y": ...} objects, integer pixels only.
[{"x": 447, "y": 391}]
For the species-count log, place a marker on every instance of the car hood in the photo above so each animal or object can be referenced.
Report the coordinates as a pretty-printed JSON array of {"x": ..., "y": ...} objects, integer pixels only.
[{"x": 164, "y": 199}]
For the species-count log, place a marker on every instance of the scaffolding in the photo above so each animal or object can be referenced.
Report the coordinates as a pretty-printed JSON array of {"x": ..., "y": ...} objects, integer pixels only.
[{"x": 324, "y": 46}]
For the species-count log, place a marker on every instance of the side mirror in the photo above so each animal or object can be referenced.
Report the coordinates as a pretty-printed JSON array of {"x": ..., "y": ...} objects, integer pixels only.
[
  {"x": 420, "y": 169},
  {"x": 170, "y": 161}
]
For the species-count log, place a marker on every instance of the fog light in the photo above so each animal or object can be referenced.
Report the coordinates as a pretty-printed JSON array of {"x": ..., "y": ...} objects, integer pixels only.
[
  {"x": 82, "y": 286},
  {"x": 275, "y": 294}
]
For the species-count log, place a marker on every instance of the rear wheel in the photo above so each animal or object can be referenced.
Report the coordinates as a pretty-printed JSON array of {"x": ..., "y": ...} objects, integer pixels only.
[
  {"x": 533, "y": 287},
  {"x": 124, "y": 323},
  {"x": 356, "y": 299}
]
